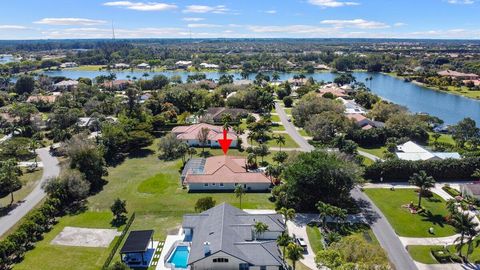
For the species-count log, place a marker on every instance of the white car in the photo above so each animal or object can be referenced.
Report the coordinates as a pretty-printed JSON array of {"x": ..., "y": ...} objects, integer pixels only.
[{"x": 301, "y": 242}]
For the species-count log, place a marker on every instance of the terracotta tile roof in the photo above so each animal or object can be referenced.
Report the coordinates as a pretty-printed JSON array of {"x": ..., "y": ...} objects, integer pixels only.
[
  {"x": 190, "y": 132},
  {"x": 356, "y": 117},
  {"x": 226, "y": 169}
]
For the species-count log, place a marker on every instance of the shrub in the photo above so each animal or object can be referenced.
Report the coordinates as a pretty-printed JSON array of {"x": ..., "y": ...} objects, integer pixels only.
[
  {"x": 288, "y": 101},
  {"x": 451, "y": 191},
  {"x": 441, "y": 255}
]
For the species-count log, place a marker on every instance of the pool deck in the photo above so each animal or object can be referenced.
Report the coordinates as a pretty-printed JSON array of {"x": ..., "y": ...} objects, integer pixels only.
[{"x": 169, "y": 241}]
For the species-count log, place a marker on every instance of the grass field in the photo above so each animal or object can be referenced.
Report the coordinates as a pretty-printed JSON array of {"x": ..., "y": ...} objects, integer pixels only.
[
  {"x": 29, "y": 181},
  {"x": 378, "y": 151},
  {"x": 152, "y": 189},
  {"x": 405, "y": 223},
  {"x": 278, "y": 128},
  {"x": 444, "y": 138},
  {"x": 303, "y": 132},
  {"x": 288, "y": 111},
  {"x": 423, "y": 253},
  {"x": 315, "y": 238},
  {"x": 275, "y": 118}
]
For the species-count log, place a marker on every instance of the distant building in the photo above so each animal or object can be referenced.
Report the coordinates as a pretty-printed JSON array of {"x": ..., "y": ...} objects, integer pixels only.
[
  {"x": 297, "y": 81},
  {"x": 209, "y": 66},
  {"x": 189, "y": 134},
  {"x": 222, "y": 173},
  {"x": 68, "y": 65},
  {"x": 322, "y": 67},
  {"x": 223, "y": 237},
  {"x": 351, "y": 107},
  {"x": 143, "y": 66},
  {"x": 66, "y": 85},
  {"x": 412, "y": 151},
  {"x": 117, "y": 84},
  {"x": 363, "y": 122},
  {"x": 216, "y": 113},
  {"x": 242, "y": 82},
  {"x": 183, "y": 64},
  {"x": 458, "y": 75},
  {"x": 121, "y": 66},
  {"x": 334, "y": 90}
]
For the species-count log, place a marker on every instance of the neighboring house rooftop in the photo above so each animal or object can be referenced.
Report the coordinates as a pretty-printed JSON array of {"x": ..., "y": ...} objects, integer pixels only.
[
  {"x": 42, "y": 98},
  {"x": 221, "y": 169},
  {"x": 67, "y": 83},
  {"x": 413, "y": 151},
  {"x": 452, "y": 73},
  {"x": 191, "y": 132},
  {"x": 216, "y": 113},
  {"x": 228, "y": 229}
]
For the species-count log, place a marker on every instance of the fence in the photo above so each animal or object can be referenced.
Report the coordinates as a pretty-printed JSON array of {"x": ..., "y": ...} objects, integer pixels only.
[{"x": 119, "y": 241}]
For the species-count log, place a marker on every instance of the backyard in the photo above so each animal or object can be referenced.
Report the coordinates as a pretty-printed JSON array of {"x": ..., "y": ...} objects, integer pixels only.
[
  {"x": 423, "y": 254},
  {"x": 152, "y": 190},
  {"x": 392, "y": 203}
]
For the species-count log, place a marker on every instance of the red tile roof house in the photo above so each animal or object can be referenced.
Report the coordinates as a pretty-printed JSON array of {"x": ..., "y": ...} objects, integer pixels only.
[
  {"x": 222, "y": 173},
  {"x": 189, "y": 134}
]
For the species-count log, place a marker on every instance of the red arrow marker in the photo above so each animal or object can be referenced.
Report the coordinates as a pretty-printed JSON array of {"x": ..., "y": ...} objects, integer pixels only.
[{"x": 225, "y": 142}]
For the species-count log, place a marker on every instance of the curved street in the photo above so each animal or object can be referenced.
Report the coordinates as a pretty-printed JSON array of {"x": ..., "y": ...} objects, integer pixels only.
[
  {"x": 50, "y": 169},
  {"x": 384, "y": 232}
]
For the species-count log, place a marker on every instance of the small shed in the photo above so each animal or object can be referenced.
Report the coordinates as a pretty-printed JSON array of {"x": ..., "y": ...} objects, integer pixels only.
[{"x": 137, "y": 248}]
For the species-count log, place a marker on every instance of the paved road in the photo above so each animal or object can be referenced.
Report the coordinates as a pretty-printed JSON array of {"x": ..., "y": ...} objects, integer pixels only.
[
  {"x": 385, "y": 234},
  {"x": 292, "y": 131},
  {"x": 50, "y": 169}
]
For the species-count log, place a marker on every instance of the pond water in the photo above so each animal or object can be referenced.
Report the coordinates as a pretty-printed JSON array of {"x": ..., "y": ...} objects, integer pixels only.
[{"x": 450, "y": 108}]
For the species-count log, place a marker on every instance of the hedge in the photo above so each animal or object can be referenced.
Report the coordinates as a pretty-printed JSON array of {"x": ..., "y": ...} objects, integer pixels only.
[{"x": 401, "y": 170}]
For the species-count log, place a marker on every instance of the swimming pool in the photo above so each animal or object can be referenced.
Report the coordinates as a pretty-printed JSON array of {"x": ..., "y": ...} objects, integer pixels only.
[{"x": 180, "y": 257}]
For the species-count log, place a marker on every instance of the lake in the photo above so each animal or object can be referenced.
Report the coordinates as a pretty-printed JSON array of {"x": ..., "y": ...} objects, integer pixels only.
[{"x": 450, "y": 108}]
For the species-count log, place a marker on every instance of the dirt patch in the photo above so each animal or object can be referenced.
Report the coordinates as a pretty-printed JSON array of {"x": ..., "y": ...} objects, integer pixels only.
[{"x": 85, "y": 237}]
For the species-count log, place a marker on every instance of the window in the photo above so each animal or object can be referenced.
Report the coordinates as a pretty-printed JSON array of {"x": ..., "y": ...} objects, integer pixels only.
[
  {"x": 205, "y": 185},
  {"x": 243, "y": 266},
  {"x": 220, "y": 260},
  {"x": 213, "y": 184},
  {"x": 221, "y": 184},
  {"x": 263, "y": 267}
]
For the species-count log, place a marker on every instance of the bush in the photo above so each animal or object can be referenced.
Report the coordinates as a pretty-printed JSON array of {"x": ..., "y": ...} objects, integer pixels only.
[
  {"x": 451, "y": 191},
  {"x": 401, "y": 170},
  {"x": 441, "y": 255},
  {"x": 288, "y": 101}
]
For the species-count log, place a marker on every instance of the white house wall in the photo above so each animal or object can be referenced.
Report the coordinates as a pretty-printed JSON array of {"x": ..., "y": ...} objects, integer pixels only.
[{"x": 227, "y": 186}]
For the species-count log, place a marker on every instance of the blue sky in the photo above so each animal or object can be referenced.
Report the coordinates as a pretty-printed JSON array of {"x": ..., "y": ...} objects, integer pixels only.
[{"x": 59, "y": 19}]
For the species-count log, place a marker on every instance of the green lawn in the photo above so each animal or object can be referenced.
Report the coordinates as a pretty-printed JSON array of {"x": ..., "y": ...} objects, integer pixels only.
[
  {"x": 278, "y": 128},
  {"x": 288, "y": 111},
  {"x": 423, "y": 253},
  {"x": 152, "y": 189},
  {"x": 289, "y": 142},
  {"x": 378, "y": 151},
  {"x": 444, "y": 138},
  {"x": 411, "y": 225},
  {"x": 52, "y": 257},
  {"x": 275, "y": 118},
  {"x": 315, "y": 238},
  {"x": 303, "y": 132},
  {"x": 29, "y": 181}
]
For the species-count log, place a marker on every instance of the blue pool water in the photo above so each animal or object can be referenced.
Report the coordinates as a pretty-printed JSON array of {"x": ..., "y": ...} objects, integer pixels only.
[{"x": 180, "y": 257}]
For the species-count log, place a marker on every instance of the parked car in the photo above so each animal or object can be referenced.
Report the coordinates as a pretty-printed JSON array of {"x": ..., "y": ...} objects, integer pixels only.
[{"x": 301, "y": 242}]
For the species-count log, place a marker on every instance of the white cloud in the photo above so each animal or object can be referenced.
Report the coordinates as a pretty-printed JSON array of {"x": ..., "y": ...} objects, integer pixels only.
[
  {"x": 193, "y": 19},
  {"x": 271, "y": 11},
  {"x": 12, "y": 27},
  {"x": 461, "y": 2},
  {"x": 289, "y": 29},
  {"x": 69, "y": 21},
  {"x": 202, "y": 25},
  {"x": 142, "y": 6},
  {"x": 332, "y": 3},
  {"x": 357, "y": 23},
  {"x": 220, "y": 9},
  {"x": 399, "y": 24}
]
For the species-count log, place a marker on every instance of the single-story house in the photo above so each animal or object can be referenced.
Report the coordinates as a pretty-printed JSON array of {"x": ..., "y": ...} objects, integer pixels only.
[
  {"x": 190, "y": 134},
  {"x": 210, "y": 66},
  {"x": 297, "y": 81},
  {"x": 242, "y": 82},
  {"x": 42, "y": 98},
  {"x": 68, "y": 65},
  {"x": 364, "y": 122},
  {"x": 352, "y": 107},
  {"x": 470, "y": 190},
  {"x": 458, "y": 75},
  {"x": 413, "y": 151},
  {"x": 66, "y": 85},
  {"x": 223, "y": 237},
  {"x": 334, "y": 90},
  {"x": 222, "y": 173},
  {"x": 121, "y": 66},
  {"x": 216, "y": 113},
  {"x": 183, "y": 64},
  {"x": 117, "y": 84},
  {"x": 143, "y": 66}
]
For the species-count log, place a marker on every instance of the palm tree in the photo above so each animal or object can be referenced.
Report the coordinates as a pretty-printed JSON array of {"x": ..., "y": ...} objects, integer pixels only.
[
  {"x": 294, "y": 253},
  {"x": 280, "y": 140},
  {"x": 239, "y": 191},
  {"x": 251, "y": 160},
  {"x": 287, "y": 213},
  {"x": 324, "y": 210},
  {"x": 464, "y": 225},
  {"x": 332, "y": 237},
  {"x": 259, "y": 228},
  {"x": 283, "y": 240},
  {"x": 424, "y": 182},
  {"x": 33, "y": 148},
  {"x": 191, "y": 151},
  {"x": 226, "y": 120}
]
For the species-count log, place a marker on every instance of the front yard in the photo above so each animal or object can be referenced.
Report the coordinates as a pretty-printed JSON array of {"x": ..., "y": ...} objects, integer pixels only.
[{"x": 407, "y": 224}]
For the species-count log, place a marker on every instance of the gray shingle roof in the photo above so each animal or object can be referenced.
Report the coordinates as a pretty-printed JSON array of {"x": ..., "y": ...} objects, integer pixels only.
[{"x": 229, "y": 229}]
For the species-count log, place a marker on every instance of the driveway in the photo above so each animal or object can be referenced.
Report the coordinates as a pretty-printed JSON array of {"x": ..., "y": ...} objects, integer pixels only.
[
  {"x": 50, "y": 169},
  {"x": 291, "y": 130},
  {"x": 299, "y": 228}
]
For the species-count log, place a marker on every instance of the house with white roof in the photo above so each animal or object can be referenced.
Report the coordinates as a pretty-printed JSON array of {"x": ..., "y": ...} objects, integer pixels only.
[
  {"x": 143, "y": 66},
  {"x": 211, "y": 66},
  {"x": 68, "y": 65},
  {"x": 412, "y": 151}
]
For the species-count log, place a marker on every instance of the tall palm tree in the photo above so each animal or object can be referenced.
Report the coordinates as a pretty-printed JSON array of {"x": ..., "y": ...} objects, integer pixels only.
[
  {"x": 294, "y": 253},
  {"x": 239, "y": 191},
  {"x": 324, "y": 210},
  {"x": 259, "y": 228},
  {"x": 280, "y": 140},
  {"x": 283, "y": 240},
  {"x": 287, "y": 213},
  {"x": 251, "y": 160},
  {"x": 226, "y": 121},
  {"x": 465, "y": 226},
  {"x": 191, "y": 151},
  {"x": 424, "y": 182}
]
